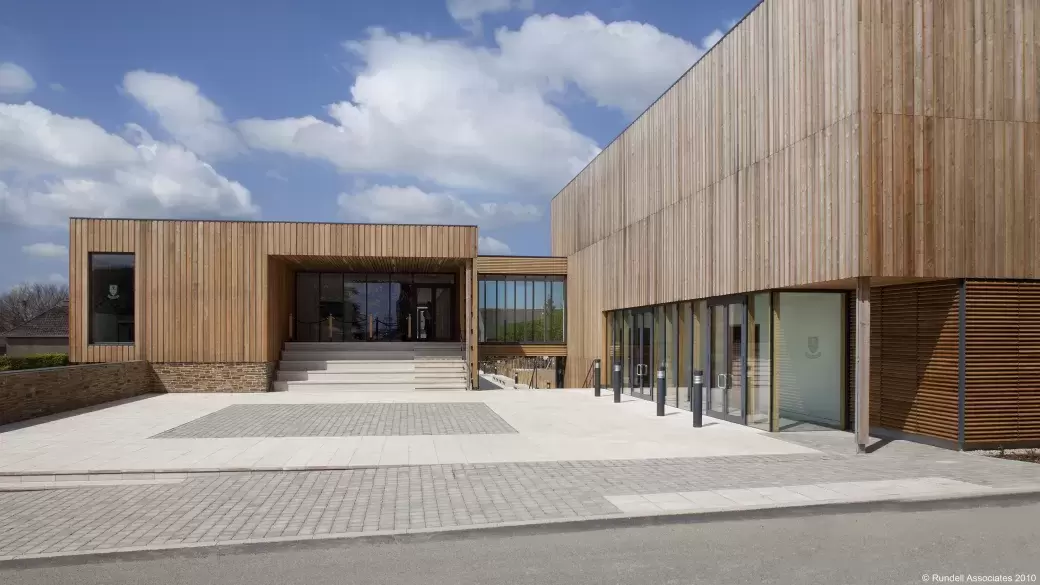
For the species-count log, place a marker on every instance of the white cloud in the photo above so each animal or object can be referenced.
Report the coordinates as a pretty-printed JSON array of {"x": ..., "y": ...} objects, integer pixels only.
[
  {"x": 469, "y": 12},
  {"x": 190, "y": 117},
  {"x": 46, "y": 250},
  {"x": 491, "y": 246},
  {"x": 712, "y": 38},
  {"x": 71, "y": 166},
  {"x": 57, "y": 87},
  {"x": 623, "y": 65},
  {"x": 470, "y": 118},
  {"x": 393, "y": 204},
  {"x": 15, "y": 80},
  {"x": 55, "y": 278}
]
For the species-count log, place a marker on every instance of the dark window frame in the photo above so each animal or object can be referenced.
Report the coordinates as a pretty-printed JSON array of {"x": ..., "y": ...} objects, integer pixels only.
[{"x": 90, "y": 300}]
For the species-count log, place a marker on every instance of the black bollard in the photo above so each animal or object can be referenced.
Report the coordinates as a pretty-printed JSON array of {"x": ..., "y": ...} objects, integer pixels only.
[
  {"x": 660, "y": 391},
  {"x": 595, "y": 370},
  {"x": 617, "y": 382},
  {"x": 698, "y": 398}
]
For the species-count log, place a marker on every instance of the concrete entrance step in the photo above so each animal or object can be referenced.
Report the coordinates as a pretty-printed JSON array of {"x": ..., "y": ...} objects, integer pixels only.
[
  {"x": 357, "y": 366},
  {"x": 321, "y": 386},
  {"x": 316, "y": 355},
  {"x": 349, "y": 377},
  {"x": 421, "y": 347}
]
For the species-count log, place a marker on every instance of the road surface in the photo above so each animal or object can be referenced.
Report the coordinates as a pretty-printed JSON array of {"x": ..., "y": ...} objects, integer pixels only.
[{"x": 876, "y": 547}]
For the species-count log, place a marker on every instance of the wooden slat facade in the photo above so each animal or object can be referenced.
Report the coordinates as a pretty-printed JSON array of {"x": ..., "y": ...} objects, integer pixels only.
[
  {"x": 533, "y": 265},
  {"x": 742, "y": 177},
  {"x": 220, "y": 291},
  {"x": 820, "y": 140},
  {"x": 1002, "y": 365},
  {"x": 950, "y": 132}
]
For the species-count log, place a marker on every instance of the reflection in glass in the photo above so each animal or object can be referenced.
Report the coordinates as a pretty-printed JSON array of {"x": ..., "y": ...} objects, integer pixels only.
[
  {"x": 442, "y": 314},
  {"x": 670, "y": 346},
  {"x": 308, "y": 319},
  {"x": 558, "y": 319},
  {"x": 719, "y": 359},
  {"x": 758, "y": 366},
  {"x": 330, "y": 307},
  {"x": 111, "y": 298},
  {"x": 356, "y": 314}
]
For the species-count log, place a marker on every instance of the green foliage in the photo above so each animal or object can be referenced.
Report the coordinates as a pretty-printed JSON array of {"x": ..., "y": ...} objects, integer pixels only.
[{"x": 31, "y": 362}]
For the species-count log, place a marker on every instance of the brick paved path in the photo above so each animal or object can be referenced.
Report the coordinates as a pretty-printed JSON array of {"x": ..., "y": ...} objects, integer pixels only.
[
  {"x": 211, "y": 508},
  {"x": 342, "y": 420}
]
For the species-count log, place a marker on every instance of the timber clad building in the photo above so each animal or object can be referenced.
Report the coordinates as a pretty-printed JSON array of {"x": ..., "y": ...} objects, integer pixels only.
[{"x": 836, "y": 205}]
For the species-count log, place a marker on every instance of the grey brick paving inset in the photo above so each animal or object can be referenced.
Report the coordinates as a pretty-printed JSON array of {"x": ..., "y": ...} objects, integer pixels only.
[
  {"x": 343, "y": 420},
  {"x": 226, "y": 507}
]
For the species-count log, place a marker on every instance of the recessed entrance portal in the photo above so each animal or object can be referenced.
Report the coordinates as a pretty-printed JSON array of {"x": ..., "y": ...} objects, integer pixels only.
[{"x": 347, "y": 306}]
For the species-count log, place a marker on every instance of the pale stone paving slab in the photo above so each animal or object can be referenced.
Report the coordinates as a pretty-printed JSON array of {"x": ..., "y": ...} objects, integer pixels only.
[
  {"x": 342, "y": 420},
  {"x": 234, "y": 507},
  {"x": 793, "y": 495}
]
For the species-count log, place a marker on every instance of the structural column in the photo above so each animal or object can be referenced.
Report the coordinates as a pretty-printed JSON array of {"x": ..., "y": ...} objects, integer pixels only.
[{"x": 862, "y": 423}]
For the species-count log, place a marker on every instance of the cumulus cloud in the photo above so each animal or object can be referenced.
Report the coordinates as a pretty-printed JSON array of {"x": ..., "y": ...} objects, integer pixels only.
[
  {"x": 439, "y": 111},
  {"x": 468, "y": 13},
  {"x": 394, "y": 204},
  {"x": 71, "y": 166},
  {"x": 15, "y": 80},
  {"x": 46, "y": 250},
  {"x": 465, "y": 117},
  {"x": 623, "y": 65},
  {"x": 56, "y": 278},
  {"x": 491, "y": 246},
  {"x": 182, "y": 110}
]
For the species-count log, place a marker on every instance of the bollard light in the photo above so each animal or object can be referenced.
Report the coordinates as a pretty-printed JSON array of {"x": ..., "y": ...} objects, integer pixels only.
[
  {"x": 597, "y": 383},
  {"x": 617, "y": 382},
  {"x": 696, "y": 404},
  {"x": 660, "y": 391}
]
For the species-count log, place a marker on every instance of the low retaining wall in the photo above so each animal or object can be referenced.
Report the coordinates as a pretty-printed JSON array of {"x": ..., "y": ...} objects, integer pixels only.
[
  {"x": 217, "y": 377},
  {"x": 26, "y": 394}
]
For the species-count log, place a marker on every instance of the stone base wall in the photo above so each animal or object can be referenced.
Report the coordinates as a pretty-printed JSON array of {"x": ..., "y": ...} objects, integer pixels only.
[
  {"x": 216, "y": 377},
  {"x": 26, "y": 394}
]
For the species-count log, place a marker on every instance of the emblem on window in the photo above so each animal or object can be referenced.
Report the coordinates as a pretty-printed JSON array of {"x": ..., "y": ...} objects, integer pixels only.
[
  {"x": 113, "y": 292},
  {"x": 814, "y": 348}
]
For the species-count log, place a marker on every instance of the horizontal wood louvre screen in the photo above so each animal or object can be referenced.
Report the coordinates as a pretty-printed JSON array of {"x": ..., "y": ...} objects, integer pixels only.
[
  {"x": 1002, "y": 386},
  {"x": 209, "y": 291},
  {"x": 521, "y": 265},
  {"x": 522, "y": 349},
  {"x": 915, "y": 337}
]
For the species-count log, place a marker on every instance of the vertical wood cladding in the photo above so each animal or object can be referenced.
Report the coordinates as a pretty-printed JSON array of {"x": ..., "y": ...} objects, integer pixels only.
[
  {"x": 743, "y": 176},
  {"x": 209, "y": 291},
  {"x": 1002, "y": 376},
  {"x": 950, "y": 98},
  {"x": 915, "y": 340}
]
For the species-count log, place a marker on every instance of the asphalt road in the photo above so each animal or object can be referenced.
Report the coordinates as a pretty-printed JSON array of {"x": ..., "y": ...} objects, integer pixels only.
[{"x": 875, "y": 547}]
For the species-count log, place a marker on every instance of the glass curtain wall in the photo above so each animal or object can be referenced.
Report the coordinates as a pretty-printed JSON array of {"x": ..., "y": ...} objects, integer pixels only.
[
  {"x": 809, "y": 348},
  {"x": 759, "y": 360},
  {"x": 522, "y": 309},
  {"x": 334, "y": 306},
  {"x": 643, "y": 339}
]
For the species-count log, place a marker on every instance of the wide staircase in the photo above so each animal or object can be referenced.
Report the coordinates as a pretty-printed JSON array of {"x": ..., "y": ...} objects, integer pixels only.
[{"x": 381, "y": 366}]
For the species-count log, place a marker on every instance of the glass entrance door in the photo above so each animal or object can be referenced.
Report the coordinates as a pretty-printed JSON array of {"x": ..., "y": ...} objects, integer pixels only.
[
  {"x": 727, "y": 338},
  {"x": 642, "y": 354},
  {"x": 433, "y": 313}
]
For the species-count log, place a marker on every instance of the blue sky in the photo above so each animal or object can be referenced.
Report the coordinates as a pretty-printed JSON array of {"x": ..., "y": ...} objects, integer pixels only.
[{"x": 457, "y": 111}]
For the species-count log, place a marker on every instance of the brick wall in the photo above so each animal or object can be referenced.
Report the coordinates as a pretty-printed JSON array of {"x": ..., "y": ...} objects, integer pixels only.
[
  {"x": 216, "y": 377},
  {"x": 26, "y": 394}
]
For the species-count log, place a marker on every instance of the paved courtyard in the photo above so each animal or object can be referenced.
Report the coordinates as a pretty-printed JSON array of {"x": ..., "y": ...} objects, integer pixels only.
[
  {"x": 342, "y": 420},
  {"x": 189, "y": 470},
  {"x": 297, "y": 430}
]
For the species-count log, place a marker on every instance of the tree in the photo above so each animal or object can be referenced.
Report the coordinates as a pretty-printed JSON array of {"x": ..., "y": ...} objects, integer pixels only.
[{"x": 25, "y": 301}]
